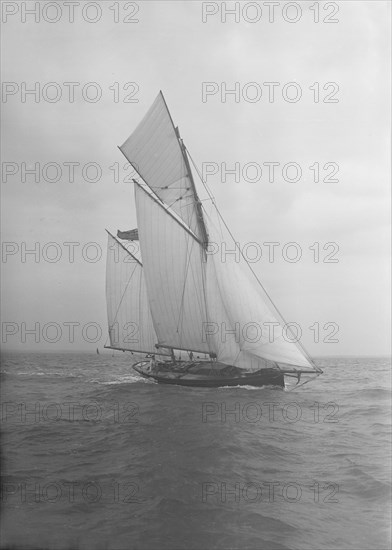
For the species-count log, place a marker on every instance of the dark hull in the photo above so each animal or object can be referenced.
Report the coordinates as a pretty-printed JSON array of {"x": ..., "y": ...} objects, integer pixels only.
[{"x": 267, "y": 377}]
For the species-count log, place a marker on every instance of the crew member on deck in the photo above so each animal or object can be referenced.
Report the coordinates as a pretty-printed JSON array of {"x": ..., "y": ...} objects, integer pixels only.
[{"x": 152, "y": 362}]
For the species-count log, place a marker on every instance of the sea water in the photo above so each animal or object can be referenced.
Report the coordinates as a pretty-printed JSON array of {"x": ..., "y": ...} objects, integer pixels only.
[{"x": 94, "y": 457}]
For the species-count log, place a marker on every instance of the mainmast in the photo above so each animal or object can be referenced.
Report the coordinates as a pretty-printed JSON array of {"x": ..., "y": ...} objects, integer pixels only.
[{"x": 198, "y": 204}]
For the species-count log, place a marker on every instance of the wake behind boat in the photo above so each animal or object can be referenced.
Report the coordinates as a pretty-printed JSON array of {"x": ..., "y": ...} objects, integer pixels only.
[{"x": 177, "y": 296}]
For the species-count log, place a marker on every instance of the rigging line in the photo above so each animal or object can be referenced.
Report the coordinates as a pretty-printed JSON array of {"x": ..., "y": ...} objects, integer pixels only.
[
  {"x": 106, "y": 341},
  {"x": 202, "y": 298},
  {"x": 157, "y": 197},
  {"x": 122, "y": 297},
  {"x": 204, "y": 288},
  {"x": 299, "y": 344},
  {"x": 183, "y": 206},
  {"x": 199, "y": 217},
  {"x": 210, "y": 195},
  {"x": 181, "y": 310},
  {"x": 171, "y": 213},
  {"x": 169, "y": 185},
  {"x": 198, "y": 205},
  {"x": 205, "y": 200},
  {"x": 222, "y": 302},
  {"x": 125, "y": 248},
  {"x": 141, "y": 317},
  {"x": 177, "y": 199},
  {"x": 201, "y": 303},
  {"x": 187, "y": 262}
]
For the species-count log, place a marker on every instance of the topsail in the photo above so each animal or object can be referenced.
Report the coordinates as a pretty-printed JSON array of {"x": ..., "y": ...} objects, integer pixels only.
[{"x": 157, "y": 154}]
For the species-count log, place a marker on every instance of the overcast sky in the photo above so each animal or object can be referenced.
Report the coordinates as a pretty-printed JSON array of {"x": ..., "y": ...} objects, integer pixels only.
[{"x": 170, "y": 48}]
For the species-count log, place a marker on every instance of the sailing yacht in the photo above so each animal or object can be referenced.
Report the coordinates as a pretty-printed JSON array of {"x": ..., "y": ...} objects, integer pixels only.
[{"x": 197, "y": 318}]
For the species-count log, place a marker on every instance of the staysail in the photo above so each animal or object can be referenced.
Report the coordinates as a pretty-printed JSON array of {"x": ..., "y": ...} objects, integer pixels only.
[{"x": 129, "y": 316}]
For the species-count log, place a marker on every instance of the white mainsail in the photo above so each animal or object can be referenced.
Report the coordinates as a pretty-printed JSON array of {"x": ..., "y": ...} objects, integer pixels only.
[
  {"x": 129, "y": 316},
  {"x": 173, "y": 266}
]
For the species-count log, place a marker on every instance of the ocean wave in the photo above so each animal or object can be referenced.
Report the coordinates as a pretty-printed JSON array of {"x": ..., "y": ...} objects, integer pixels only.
[{"x": 126, "y": 380}]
